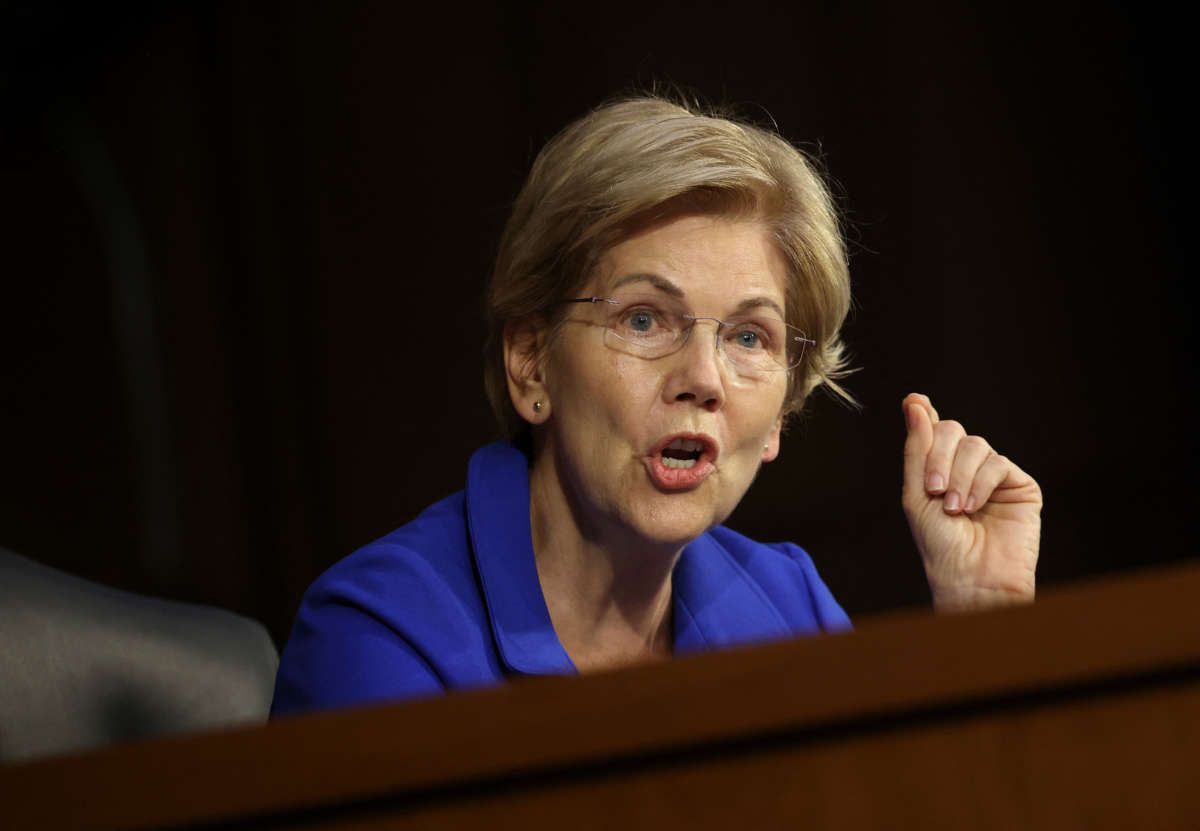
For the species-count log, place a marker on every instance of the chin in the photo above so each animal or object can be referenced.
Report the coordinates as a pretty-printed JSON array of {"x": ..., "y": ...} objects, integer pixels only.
[{"x": 675, "y": 520}]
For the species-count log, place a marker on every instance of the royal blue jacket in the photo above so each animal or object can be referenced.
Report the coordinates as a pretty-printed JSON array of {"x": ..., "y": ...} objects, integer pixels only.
[{"x": 452, "y": 601}]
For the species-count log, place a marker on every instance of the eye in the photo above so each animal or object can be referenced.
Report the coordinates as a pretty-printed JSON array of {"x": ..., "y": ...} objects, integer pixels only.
[
  {"x": 748, "y": 337},
  {"x": 646, "y": 323},
  {"x": 641, "y": 321}
]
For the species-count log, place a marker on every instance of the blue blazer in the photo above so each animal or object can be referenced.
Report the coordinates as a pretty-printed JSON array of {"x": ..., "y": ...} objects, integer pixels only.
[{"x": 452, "y": 601}]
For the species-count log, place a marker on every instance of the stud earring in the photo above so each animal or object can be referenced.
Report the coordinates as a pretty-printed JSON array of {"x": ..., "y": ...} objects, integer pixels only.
[{"x": 537, "y": 406}]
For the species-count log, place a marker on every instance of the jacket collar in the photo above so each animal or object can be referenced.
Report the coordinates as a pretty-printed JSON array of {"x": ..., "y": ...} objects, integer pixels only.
[
  {"x": 716, "y": 603},
  {"x": 498, "y": 518}
]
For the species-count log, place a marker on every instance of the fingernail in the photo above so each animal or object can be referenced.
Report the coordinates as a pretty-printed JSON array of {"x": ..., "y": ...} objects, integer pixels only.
[
  {"x": 970, "y": 504},
  {"x": 952, "y": 500},
  {"x": 935, "y": 482},
  {"x": 910, "y": 417}
]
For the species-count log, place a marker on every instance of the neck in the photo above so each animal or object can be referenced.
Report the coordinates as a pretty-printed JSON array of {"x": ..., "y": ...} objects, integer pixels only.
[{"x": 608, "y": 591}]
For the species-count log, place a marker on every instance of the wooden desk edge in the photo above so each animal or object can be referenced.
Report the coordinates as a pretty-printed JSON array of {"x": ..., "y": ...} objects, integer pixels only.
[{"x": 1085, "y": 634}]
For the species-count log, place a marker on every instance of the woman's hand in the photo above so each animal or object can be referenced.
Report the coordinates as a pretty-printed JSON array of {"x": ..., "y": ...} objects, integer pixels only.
[{"x": 974, "y": 515}]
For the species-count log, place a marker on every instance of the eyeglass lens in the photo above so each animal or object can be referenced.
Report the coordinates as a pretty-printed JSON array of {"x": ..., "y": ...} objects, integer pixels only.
[{"x": 651, "y": 326}]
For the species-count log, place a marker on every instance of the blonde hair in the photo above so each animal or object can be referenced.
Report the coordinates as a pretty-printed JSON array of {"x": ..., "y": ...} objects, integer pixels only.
[{"x": 640, "y": 160}]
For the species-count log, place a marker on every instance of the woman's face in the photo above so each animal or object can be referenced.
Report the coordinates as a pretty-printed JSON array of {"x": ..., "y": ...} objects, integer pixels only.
[{"x": 613, "y": 414}]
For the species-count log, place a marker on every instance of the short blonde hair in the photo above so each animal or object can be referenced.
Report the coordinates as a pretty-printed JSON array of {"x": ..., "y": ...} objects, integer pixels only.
[{"x": 639, "y": 160}]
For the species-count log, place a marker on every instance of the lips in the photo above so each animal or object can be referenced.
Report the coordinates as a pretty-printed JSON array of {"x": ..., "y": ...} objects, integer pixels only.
[{"x": 680, "y": 461}]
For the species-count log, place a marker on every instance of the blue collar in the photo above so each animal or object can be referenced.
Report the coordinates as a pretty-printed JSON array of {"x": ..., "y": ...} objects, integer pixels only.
[{"x": 716, "y": 603}]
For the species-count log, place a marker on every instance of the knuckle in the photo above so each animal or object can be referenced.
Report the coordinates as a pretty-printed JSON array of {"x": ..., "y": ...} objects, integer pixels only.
[
  {"x": 950, "y": 427},
  {"x": 977, "y": 443}
]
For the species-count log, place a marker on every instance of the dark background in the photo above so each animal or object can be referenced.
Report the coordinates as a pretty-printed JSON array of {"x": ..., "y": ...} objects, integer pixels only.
[{"x": 231, "y": 232}]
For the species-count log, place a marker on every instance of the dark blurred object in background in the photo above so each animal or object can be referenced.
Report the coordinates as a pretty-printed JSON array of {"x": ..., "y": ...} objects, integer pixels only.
[{"x": 223, "y": 220}]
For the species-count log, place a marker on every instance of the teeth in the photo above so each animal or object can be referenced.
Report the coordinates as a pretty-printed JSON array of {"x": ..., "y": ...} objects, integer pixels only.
[
  {"x": 686, "y": 445},
  {"x": 669, "y": 462}
]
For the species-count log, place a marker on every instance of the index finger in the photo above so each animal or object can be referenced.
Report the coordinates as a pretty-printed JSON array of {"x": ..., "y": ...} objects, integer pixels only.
[
  {"x": 922, "y": 400},
  {"x": 919, "y": 416}
]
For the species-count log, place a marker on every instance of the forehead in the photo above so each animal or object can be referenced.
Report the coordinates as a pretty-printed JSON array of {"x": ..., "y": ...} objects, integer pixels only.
[{"x": 707, "y": 258}]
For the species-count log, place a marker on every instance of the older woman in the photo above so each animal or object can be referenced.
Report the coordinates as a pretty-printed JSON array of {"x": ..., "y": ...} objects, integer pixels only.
[{"x": 669, "y": 289}]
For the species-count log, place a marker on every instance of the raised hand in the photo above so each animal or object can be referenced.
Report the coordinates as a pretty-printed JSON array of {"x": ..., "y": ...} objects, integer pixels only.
[{"x": 974, "y": 515}]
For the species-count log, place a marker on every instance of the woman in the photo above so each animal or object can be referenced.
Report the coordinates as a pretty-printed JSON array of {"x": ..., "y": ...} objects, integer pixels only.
[{"x": 669, "y": 289}]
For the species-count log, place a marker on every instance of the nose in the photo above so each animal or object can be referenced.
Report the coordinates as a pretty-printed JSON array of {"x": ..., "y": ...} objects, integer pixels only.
[{"x": 697, "y": 372}]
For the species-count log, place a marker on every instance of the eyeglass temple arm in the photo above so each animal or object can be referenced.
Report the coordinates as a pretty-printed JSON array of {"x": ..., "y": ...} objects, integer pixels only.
[{"x": 591, "y": 300}]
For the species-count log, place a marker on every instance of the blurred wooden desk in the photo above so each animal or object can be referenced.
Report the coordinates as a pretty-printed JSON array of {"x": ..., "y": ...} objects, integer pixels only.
[{"x": 1082, "y": 711}]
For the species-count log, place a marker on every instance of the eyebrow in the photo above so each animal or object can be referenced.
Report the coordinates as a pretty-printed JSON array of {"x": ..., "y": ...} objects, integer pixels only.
[
  {"x": 667, "y": 287},
  {"x": 761, "y": 303},
  {"x": 661, "y": 283}
]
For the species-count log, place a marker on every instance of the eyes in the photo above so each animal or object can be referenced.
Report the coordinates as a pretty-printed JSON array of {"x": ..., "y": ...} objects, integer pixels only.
[
  {"x": 748, "y": 339},
  {"x": 757, "y": 343},
  {"x": 646, "y": 323},
  {"x": 641, "y": 321}
]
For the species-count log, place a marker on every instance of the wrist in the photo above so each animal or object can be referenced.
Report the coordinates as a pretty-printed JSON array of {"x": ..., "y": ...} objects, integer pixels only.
[{"x": 969, "y": 598}]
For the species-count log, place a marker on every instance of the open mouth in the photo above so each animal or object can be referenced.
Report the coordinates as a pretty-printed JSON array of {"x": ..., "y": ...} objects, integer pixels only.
[
  {"x": 682, "y": 453},
  {"x": 682, "y": 461}
]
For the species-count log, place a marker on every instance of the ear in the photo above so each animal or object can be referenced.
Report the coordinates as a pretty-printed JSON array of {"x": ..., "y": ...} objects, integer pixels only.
[
  {"x": 771, "y": 445},
  {"x": 523, "y": 363}
]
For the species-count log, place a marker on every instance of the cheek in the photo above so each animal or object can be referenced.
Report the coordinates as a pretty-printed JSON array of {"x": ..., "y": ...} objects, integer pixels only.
[
  {"x": 759, "y": 417},
  {"x": 635, "y": 381},
  {"x": 620, "y": 381},
  {"x": 601, "y": 392}
]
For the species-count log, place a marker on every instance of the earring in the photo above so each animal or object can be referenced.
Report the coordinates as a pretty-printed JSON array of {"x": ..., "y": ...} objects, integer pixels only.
[
  {"x": 766, "y": 447},
  {"x": 537, "y": 406}
]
